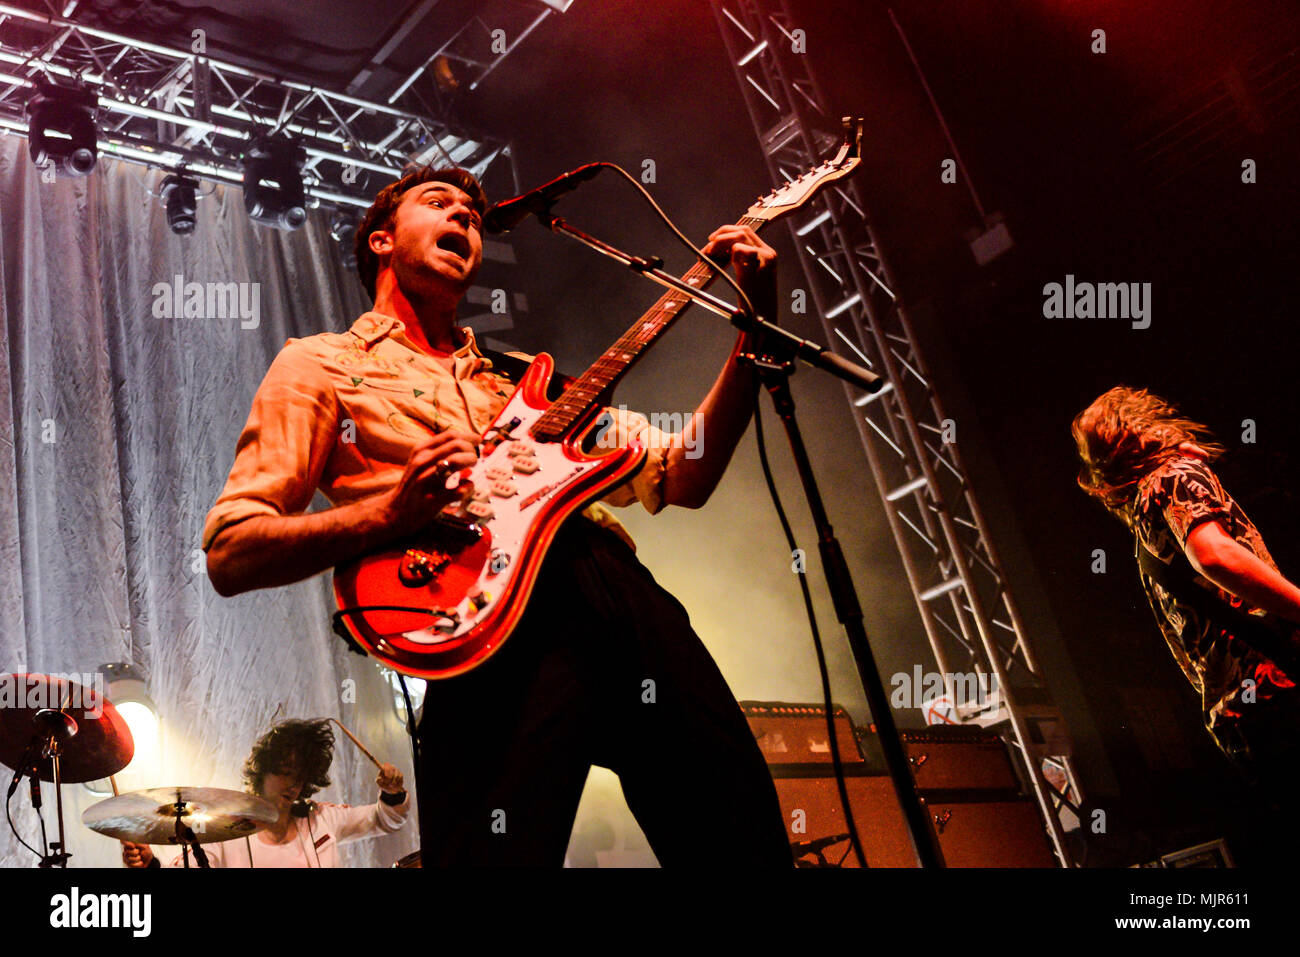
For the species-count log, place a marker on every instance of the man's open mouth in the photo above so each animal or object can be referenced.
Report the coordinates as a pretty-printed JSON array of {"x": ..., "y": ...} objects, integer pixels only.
[{"x": 455, "y": 243}]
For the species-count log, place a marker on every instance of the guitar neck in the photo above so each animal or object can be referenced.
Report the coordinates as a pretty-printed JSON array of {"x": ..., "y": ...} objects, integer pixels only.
[{"x": 586, "y": 390}]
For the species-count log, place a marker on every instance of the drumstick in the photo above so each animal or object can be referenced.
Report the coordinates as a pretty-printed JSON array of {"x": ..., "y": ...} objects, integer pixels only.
[
  {"x": 357, "y": 742},
  {"x": 113, "y": 781}
]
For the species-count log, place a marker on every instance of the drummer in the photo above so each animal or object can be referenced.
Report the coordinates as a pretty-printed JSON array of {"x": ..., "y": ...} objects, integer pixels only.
[{"x": 287, "y": 766}]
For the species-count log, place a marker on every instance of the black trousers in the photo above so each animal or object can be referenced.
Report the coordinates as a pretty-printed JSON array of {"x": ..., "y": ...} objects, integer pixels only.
[
  {"x": 603, "y": 669},
  {"x": 1267, "y": 831}
]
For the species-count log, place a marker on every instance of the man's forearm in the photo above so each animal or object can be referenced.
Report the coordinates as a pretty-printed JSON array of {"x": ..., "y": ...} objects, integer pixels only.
[
  {"x": 712, "y": 434},
  {"x": 1255, "y": 581},
  {"x": 271, "y": 550}
]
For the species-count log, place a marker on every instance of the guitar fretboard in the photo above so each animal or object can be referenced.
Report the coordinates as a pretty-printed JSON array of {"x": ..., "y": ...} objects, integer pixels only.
[{"x": 585, "y": 391}]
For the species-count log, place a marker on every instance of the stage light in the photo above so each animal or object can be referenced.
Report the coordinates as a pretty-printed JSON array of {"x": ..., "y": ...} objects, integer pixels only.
[
  {"x": 343, "y": 229},
  {"x": 416, "y": 687},
  {"x": 127, "y": 692},
  {"x": 180, "y": 195},
  {"x": 273, "y": 191},
  {"x": 61, "y": 128}
]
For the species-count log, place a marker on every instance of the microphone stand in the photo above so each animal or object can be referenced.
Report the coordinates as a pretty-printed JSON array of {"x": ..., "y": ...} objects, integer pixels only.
[
  {"x": 775, "y": 364},
  {"x": 55, "y": 727},
  {"x": 186, "y": 837}
]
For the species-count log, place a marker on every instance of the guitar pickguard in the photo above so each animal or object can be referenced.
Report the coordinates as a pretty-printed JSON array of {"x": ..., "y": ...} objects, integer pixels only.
[{"x": 448, "y": 597}]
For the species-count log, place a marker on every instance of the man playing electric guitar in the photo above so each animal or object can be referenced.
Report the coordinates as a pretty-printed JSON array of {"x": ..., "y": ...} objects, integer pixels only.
[{"x": 604, "y": 667}]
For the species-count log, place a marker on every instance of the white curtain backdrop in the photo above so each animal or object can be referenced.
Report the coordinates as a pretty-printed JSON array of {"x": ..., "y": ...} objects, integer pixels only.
[{"x": 117, "y": 430}]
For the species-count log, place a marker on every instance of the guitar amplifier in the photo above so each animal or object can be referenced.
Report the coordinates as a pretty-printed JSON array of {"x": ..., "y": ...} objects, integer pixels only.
[
  {"x": 959, "y": 759},
  {"x": 1006, "y": 833},
  {"x": 793, "y": 736},
  {"x": 813, "y": 811}
]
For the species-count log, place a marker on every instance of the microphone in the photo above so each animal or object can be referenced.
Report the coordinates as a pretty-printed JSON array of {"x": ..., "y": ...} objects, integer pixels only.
[
  {"x": 506, "y": 215},
  {"x": 23, "y": 764},
  {"x": 13, "y": 785}
]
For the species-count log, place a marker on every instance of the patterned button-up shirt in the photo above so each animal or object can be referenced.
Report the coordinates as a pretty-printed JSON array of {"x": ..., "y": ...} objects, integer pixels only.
[
  {"x": 1171, "y": 501},
  {"x": 342, "y": 412}
]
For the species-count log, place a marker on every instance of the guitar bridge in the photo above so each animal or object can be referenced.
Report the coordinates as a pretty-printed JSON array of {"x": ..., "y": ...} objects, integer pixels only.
[{"x": 419, "y": 567}]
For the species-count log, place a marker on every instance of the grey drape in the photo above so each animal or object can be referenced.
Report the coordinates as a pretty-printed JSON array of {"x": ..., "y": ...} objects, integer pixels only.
[{"x": 100, "y": 527}]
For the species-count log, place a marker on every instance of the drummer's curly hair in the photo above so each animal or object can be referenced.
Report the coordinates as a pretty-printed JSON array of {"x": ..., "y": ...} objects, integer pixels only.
[{"x": 304, "y": 748}]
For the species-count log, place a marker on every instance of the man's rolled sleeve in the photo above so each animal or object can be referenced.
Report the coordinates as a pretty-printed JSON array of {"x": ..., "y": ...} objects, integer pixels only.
[
  {"x": 290, "y": 432},
  {"x": 647, "y": 485},
  {"x": 1193, "y": 496}
]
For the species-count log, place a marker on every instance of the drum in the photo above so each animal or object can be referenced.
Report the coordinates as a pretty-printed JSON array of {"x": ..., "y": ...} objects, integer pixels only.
[{"x": 410, "y": 860}]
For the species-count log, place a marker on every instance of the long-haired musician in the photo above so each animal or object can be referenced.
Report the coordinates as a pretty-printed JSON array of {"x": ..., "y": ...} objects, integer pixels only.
[
  {"x": 287, "y": 765},
  {"x": 1229, "y": 616}
]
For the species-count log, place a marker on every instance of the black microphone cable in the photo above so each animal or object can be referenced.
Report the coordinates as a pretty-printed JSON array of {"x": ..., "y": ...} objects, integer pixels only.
[{"x": 841, "y": 786}]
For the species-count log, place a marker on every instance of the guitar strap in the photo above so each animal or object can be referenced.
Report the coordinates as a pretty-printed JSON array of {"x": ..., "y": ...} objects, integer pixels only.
[
  {"x": 1269, "y": 637},
  {"x": 514, "y": 365}
]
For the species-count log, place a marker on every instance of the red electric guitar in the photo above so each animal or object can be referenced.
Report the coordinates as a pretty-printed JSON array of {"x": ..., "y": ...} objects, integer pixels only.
[{"x": 449, "y": 599}]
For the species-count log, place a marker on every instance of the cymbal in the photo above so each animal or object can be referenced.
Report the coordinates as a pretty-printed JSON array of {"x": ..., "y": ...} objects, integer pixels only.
[
  {"x": 95, "y": 743},
  {"x": 149, "y": 816}
]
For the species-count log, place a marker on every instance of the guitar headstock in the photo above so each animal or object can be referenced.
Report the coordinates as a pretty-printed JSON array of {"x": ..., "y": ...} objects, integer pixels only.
[{"x": 797, "y": 192}]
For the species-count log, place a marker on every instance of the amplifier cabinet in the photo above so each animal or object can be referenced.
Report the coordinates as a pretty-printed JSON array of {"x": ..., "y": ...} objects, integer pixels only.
[
  {"x": 1006, "y": 833},
  {"x": 998, "y": 833},
  {"x": 795, "y": 734},
  {"x": 812, "y": 810},
  {"x": 959, "y": 759}
]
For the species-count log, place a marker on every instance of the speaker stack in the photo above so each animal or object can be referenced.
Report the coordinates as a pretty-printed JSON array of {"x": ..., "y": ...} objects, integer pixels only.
[{"x": 968, "y": 788}]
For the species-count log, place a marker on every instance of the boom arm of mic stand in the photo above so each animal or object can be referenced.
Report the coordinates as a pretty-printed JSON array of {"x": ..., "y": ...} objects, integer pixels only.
[
  {"x": 808, "y": 351},
  {"x": 783, "y": 342}
]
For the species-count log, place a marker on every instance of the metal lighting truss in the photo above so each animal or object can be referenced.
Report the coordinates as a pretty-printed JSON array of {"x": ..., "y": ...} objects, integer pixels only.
[
  {"x": 170, "y": 108},
  {"x": 955, "y": 576}
]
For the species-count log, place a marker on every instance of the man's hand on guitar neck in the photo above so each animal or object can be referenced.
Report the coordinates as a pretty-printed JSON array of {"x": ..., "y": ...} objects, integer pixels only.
[
  {"x": 721, "y": 419},
  {"x": 271, "y": 550},
  {"x": 754, "y": 262}
]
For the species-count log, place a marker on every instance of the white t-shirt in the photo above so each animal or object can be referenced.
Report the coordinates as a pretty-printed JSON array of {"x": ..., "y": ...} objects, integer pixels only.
[{"x": 315, "y": 842}]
